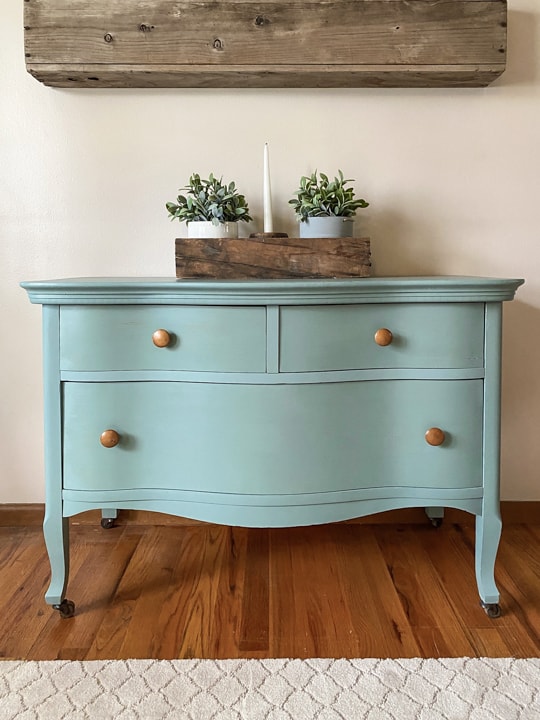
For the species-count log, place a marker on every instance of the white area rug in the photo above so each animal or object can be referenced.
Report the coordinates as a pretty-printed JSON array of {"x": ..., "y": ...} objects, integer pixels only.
[{"x": 316, "y": 689}]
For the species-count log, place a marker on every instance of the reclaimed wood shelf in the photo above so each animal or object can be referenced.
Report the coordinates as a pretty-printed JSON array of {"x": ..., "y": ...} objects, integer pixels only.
[
  {"x": 241, "y": 258},
  {"x": 265, "y": 43}
]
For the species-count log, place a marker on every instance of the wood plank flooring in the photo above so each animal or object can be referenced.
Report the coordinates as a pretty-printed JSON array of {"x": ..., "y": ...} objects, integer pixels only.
[{"x": 342, "y": 590}]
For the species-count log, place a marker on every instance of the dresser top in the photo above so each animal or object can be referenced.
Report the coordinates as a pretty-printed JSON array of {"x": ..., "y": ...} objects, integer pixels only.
[{"x": 146, "y": 291}]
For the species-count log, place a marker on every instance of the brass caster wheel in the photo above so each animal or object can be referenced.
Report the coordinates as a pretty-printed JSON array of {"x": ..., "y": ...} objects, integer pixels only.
[
  {"x": 107, "y": 523},
  {"x": 492, "y": 610},
  {"x": 66, "y": 608}
]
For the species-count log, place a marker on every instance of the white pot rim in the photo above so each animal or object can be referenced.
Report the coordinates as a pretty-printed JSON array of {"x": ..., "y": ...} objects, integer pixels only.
[
  {"x": 345, "y": 218},
  {"x": 208, "y": 229}
]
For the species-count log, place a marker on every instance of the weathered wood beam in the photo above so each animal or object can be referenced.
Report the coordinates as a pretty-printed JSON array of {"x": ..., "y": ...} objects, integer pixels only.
[
  {"x": 228, "y": 258},
  {"x": 270, "y": 43}
]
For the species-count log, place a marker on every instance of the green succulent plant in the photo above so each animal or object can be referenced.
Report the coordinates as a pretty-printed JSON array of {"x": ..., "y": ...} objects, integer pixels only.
[
  {"x": 318, "y": 196},
  {"x": 209, "y": 199}
]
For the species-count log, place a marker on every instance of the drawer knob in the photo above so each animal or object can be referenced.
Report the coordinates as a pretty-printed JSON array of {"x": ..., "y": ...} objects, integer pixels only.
[
  {"x": 435, "y": 436},
  {"x": 161, "y": 338},
  {"x": 109, "y": 438},
  {"x": 383, "y": 337}
]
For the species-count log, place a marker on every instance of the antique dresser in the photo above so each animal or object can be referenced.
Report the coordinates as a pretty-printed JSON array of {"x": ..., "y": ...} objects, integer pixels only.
[{"x": 272, "y": 402}]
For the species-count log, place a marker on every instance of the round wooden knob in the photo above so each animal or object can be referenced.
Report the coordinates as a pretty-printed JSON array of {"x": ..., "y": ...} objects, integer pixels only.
[
  {"x": 434, "y": 436},
  {"x": 161, "y": 338},
  {"x": 383, "y": 337},
  {"x": 109, "y": 438}
]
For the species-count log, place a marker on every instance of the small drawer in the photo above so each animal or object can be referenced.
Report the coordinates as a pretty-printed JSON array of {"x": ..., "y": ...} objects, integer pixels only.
[
  {"x": 111, "y": 338},
  {"x": 342, "y": 337}
]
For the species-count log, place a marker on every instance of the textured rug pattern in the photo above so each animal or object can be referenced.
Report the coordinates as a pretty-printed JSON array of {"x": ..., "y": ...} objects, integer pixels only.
[{"x": 409, "y": 689}]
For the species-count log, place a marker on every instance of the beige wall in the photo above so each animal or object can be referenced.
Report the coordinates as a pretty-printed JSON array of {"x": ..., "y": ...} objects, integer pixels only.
[{"x": 453, "y": 177}]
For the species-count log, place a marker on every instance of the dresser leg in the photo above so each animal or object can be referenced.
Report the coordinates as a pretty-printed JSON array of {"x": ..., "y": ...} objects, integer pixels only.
[
  {"x": 107, "y": 518},
  {"x": 55, "y": 525},
  {"x": 435, "y": 515},
  {"x": 56, "y": 532},
  {"x": 488, "y": 534}
]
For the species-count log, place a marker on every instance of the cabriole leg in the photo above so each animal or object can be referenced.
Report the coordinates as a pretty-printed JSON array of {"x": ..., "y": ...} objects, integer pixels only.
[
  {"x": 56, "y": 532},
  {"x": 488, "y": 534},
  {"x": 55, "y": 525}
]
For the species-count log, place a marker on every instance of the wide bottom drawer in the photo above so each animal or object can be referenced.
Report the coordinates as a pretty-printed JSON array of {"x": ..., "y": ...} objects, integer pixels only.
[{"x": 273, "y": 439}]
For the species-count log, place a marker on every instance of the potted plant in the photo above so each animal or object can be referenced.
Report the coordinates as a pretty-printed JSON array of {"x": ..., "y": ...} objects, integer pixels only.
[
  {"x": 210, "y": 207},
  {"x": 324, "y": 207}
]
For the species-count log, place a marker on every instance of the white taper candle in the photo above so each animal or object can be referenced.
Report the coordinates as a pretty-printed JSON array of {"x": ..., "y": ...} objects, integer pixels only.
[{"x": 267, "y": 195}]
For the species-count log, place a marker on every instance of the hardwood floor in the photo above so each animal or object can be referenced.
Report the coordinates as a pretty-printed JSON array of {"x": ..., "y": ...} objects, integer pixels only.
[{"x": 343, "y": 590}]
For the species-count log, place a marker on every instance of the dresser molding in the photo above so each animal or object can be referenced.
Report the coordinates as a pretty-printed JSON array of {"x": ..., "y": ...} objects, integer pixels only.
[
  {"x": 513, "y": 512},
  {"x": 161, "y": 291},
  {"x": 273, "y": 404}
]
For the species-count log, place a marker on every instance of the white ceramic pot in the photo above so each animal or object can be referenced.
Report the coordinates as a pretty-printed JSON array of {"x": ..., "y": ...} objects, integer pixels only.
[
  {"x": 327, "y": 227},
  {"x": 207, "y": 229}
]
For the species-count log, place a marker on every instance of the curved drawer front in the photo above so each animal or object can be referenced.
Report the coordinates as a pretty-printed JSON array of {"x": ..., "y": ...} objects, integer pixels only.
[
  {"x": 278, "y": 439},
  {"x": 109, "y": 338},
  {"x": 334, "y": 337}
]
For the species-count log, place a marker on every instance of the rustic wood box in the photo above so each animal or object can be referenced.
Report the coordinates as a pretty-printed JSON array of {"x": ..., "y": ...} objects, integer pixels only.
[{"x": 226, "y": 258}]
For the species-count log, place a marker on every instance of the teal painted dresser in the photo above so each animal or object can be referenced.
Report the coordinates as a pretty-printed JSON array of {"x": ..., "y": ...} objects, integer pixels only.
[{"x": 272, "y": 403}]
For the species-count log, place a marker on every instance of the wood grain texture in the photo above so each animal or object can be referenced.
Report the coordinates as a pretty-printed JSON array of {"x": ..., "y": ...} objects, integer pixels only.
[
  {"x": 338, "y": 590},
  {"x": 254, "y": 628},
  {"x": 304, "y": 43},
  {"x": 226, "y": 258},
  {"x": 427, "y": 605}
]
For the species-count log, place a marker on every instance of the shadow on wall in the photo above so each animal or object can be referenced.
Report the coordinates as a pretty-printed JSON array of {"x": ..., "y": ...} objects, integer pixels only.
[
  {"x": 521, "y": 65},
  {"x": 520, "y": 400},
  {"x": 402, "y": 246}
]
